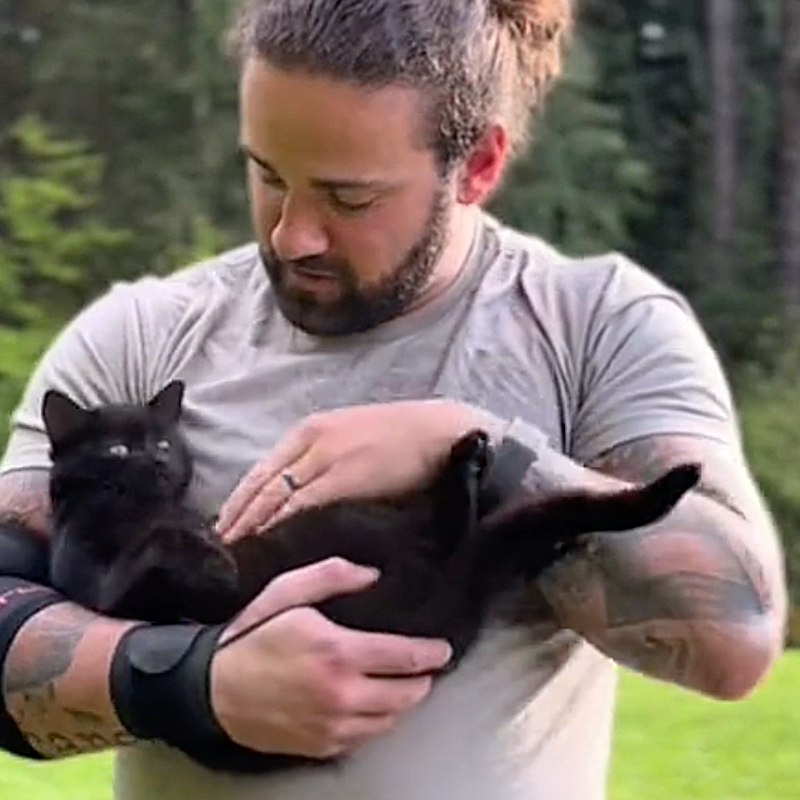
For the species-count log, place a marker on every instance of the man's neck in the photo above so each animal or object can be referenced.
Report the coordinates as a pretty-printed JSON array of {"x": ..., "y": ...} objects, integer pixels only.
[{"x": 454, "y": 256}]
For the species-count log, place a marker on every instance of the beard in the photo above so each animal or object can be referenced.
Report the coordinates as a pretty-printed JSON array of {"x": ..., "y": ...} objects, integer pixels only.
[{"x": 359, "y": 308}]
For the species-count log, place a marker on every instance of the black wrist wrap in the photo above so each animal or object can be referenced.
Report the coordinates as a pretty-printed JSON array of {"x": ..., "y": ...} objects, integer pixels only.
[
  {"x": 19, "y": 601},
  {"x": 160, "y": 683},
  {"x": 160, "y": 687}
]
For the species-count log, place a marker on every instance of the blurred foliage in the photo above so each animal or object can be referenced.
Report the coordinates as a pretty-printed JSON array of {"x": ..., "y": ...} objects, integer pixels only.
[
  {"x": 582, "y": 183},
  {"x": 768, "y": 403},
  {"x": 53, "y": 247}
]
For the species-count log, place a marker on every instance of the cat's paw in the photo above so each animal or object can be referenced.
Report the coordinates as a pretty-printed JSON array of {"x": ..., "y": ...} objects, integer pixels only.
[{"x": 472, "y": 450}]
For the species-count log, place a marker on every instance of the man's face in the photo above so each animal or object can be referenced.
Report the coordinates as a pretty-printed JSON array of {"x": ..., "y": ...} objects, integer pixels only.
[{"x": 348, "y": 207}]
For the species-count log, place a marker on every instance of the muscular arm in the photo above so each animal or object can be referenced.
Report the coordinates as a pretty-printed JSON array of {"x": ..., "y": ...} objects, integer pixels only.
[
  {"x": 698, "y": 599},
  {"x": 55, "y": 676}
]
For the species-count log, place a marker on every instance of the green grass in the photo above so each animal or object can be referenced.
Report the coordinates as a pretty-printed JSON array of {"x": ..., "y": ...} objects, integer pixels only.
[
  {"x": 85, "y": 778},
  {"x": 673, "y": 744},
  {"x": 670, "y": 745}
]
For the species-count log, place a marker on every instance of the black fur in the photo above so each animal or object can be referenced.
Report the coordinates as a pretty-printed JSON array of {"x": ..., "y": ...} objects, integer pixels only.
[{"x": 125, "y": 543}]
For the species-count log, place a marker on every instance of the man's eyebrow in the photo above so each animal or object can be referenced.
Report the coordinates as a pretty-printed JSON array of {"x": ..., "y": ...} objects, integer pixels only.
[{"x": 328, "y": 184}]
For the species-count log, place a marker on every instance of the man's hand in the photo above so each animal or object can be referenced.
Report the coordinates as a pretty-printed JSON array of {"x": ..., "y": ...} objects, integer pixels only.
[
  {"x": 360, "y": 451},
  {"x": 301, "y": 685}
]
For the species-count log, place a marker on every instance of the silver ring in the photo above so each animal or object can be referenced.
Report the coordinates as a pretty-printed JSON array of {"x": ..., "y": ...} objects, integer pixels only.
[{"x": 290, "y": 481}]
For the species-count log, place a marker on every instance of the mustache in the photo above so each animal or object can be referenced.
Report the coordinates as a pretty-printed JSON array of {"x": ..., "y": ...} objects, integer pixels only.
[{"x": 319, "y": 264}]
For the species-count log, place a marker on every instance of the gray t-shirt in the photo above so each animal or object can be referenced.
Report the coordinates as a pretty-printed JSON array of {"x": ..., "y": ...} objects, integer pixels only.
[{"x": 589, "y": 353}]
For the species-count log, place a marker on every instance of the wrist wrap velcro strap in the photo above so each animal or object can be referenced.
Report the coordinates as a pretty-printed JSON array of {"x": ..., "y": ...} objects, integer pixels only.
[
  {"x": 19, "y": 601},
  {"x": 160, "y": 678},
  {"x": 508, "y": 463},
  {"x": 160, "y": 687}
]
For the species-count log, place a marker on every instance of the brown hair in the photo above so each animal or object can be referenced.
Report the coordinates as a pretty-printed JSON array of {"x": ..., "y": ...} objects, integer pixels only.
[{"x": 477, "y": 61}]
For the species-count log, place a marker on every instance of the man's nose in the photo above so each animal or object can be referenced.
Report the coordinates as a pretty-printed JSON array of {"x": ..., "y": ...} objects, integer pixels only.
[{"x": 299, "y": 232}]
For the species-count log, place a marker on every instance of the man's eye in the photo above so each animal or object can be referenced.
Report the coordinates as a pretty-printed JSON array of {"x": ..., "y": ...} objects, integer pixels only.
[
  {"x": 344, "y": 204},
  {"x": 119, "y": 450},
  {"x": 272, "y": 181},
  {"x": 163, "y": 445}
]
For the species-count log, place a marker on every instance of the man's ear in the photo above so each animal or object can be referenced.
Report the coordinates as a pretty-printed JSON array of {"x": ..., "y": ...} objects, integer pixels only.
[{"x": 481, "y": 171}]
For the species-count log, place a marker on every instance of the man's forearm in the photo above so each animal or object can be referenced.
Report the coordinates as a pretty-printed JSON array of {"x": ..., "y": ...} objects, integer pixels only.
[
  {"x": 55, "y": 681},
  {"x": 696, "y": 599}
]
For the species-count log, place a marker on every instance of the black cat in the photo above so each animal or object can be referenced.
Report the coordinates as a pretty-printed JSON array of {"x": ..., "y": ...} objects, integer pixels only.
[{"x": 125, "y": 543}]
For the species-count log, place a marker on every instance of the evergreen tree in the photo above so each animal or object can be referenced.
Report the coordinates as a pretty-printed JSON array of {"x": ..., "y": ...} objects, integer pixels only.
[{"x": 52, "y": 247}]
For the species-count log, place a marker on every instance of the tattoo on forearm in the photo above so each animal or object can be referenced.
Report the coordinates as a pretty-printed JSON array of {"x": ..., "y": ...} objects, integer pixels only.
[
  {"x": 662, "y": 656},
  {"x": 60, "y": 636},
  {"x": 638, "y": 595},
  {"x": 44, "y": 653},
  {"x": 644, "y": 460},
  {"x": 25, "y": 494},
  {"x": 641, "y": 461},
  {"x": 686, "y": 596},
  {"x": 33, "y": 668},
  {"x": 59, "y": 745}
]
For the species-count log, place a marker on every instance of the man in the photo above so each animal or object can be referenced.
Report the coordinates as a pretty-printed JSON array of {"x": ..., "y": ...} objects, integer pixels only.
[{"x": 381, "y": 315}]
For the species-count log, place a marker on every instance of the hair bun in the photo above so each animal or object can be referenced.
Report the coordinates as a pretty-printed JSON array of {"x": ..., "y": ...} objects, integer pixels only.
[{"x": 539, "y": 21}]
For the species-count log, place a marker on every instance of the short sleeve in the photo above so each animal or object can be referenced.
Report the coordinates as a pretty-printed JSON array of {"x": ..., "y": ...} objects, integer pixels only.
[
  {"x": 101, "y": 356},
  {"x": 648, "y": 369}
]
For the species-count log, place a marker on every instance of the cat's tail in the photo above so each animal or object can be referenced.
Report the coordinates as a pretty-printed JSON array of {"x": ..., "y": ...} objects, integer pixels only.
[{"x": 524, "y": 537}]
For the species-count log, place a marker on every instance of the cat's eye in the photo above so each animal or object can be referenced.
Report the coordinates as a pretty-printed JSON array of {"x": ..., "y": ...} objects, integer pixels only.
[
  {"x": 119, "y": 450},
  {"x": 163, "y": 445}
]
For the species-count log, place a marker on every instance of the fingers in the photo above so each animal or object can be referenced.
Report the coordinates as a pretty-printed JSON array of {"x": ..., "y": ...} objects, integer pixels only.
[
  {"x": 353, "y": 722},
  {"x": 375, "y": 654},
  {"x": 388, "y": 696},
  {"x": 355, "y": 730},
  {"x": 303, "y": 684},
  {"x": 318, "y": 484},
  {"x": 266, "y": 504},
  {"x": 322, "y": 489},
  {"x": 286, "y": 452},
  {"x": 301, "y": 587},
  {"x": 371, "y": 706},
  {"x": 272, "y": 496},
  {"x": 386, "y": 654}
]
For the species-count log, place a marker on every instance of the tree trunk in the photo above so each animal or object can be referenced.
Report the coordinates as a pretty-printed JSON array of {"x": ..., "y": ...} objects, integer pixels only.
[
  {"x": 788, "y": 160},
  {"x": 21, "y": 22},
  {"x": 725, "y": 117}
]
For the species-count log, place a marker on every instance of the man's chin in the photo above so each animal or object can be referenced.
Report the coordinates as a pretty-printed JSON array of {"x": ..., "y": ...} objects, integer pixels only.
[{"x": 319, "y": 319}]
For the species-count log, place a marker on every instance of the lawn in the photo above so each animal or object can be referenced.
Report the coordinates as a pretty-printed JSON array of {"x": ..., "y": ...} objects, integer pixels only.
[
  {"x": 676, "y": 745},
  {"x": 670, "y": 745}
]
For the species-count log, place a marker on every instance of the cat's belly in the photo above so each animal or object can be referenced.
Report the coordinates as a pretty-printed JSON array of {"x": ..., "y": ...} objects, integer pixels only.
[{"x": 515, "y": 721}]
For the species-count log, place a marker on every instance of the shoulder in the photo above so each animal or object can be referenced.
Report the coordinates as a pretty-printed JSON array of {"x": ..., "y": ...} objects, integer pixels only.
[
  {"x": 123, "y": 345},
  {"x": 578, "y": 301},
  {"x": 627, "y": 350},
  {"x": 608, "y": 281},
  {"x": 194, "y": 286},
  {"x": 140, "y": 318}
]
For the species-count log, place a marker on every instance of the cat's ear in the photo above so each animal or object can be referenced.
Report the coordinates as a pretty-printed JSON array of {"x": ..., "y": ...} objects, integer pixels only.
[
  {"x": 62, "y": 417},
  {"x": 167, "y": 403}
]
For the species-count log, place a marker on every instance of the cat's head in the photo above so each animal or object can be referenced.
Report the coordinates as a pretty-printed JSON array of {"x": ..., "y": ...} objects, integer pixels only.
[{"x": 132, "y": 450}]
